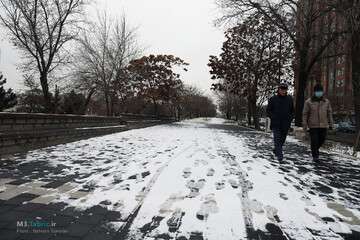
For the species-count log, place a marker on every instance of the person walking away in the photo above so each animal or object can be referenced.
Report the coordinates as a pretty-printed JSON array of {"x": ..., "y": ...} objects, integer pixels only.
[
  {"x": 318, "y": 117},
  {"x": 280, "y": 110}
]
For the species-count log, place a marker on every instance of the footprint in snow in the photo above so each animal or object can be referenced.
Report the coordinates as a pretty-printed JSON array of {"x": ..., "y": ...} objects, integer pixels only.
[
  {"x": 220, "y": 185},
  {"x": 284, "y": 184},
  {"x": 210, "y": 172},
  {"x": 105, "y": 203},
  {"x": 201, "y": 183},
  {"x": 174, "y": 221},
  {"x": 195, "y": 187},
  {"x": 271, "y": 213},
  {"x": 234, "y": 183},
  {"x": 125, "y": 187},
  {"x": 283, "y": 196},
  {"x": 227, "y": 173},
  {"x": 166, "y": 206},
  {"x": 118, "y": 178},
  {"x": 307, "y": 201},
  {"x": 119, "y": 205},
  {"x": 256, "y": 206},
  {"x": 190, "y": 183},
  {"x": 247, "y": 185},
  {"x": 186, "y": 172},
  {"x": 194, "y": 192},
  {"x": 203, "y": 162},
  {"x": 234, "y": 171},
  {"x": 139, "y": 178},
  {"x": 208, "y": 206},
  {"x": 151, "y": 226}
]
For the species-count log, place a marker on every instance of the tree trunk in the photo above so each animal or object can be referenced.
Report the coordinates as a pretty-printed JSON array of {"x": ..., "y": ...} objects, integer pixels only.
[
  {"x": 113, "y": 102},
  {"x": 46, "y": 93},
  {"x": 255, "y": 112},
  {"x": 301, "y": 87},
  {"x": 256, "y": 118},
  {"x": 155, "y": 107},
  {"x": 107, "y": 103},
  {"x": 356, "y": 76},
  {"x": 179, "y": 112},
  {"x": 249, "y": 111},
  {"x": 87, "y": 101}
]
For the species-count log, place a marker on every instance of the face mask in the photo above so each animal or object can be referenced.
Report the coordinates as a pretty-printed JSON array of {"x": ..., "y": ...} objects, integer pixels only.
[{"x": 319, "y": 94}]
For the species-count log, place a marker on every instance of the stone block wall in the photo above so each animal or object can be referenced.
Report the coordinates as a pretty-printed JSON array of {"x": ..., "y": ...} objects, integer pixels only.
[{"x": 20, "y": 132}]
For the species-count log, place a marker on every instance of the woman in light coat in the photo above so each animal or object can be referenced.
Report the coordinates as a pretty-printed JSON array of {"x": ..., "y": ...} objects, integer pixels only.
[{"x": 318, "y": 117}]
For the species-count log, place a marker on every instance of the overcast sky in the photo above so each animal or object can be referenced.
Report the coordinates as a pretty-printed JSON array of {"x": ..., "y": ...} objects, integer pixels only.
[{"x": 180, "y": 27}]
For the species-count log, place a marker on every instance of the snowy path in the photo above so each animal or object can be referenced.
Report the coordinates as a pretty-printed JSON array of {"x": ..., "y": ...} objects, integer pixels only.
[{"x": 198, "y": 179}]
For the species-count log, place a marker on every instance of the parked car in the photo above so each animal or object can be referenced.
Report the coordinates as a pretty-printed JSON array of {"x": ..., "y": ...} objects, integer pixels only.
[{"x": 345, "y": 127}]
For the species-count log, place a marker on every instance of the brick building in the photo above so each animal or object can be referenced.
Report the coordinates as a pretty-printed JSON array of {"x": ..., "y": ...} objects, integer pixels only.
[{"x": 333, "y": 69}]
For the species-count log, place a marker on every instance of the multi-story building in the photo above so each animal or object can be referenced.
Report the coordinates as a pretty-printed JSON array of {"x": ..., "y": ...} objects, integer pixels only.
[{"x": 333, "y": 69}]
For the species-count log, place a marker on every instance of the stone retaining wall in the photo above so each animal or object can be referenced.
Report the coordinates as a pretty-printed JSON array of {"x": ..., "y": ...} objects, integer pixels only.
[{"x": 21, "y": 132}]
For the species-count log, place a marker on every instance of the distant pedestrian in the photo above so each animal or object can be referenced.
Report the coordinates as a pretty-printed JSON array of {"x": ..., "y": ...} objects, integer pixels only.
[
  {"x": 318, "y": 117},
  {"x": 281, "y": 112}
]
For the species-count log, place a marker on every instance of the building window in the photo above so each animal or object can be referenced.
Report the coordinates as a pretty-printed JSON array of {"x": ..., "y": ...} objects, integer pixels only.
[
  {"x": 340, "y": 59},
  {"x": 340, "y": 88},
  {"x": 339, "y": 83},
  {"x": 340, "y": 72}
]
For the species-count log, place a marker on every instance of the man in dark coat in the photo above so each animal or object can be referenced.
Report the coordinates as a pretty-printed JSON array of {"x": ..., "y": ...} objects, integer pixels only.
[{"x": 281, "y": 112}]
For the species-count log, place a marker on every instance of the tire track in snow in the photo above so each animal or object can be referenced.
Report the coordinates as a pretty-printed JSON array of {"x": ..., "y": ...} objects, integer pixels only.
[
  {"x": 245, "y": 187},
  {"x": 197, "y": 207},
  {"x": 123, "y": 231}
]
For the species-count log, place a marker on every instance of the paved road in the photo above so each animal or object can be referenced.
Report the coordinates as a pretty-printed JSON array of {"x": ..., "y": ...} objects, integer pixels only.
[{"x": 198, "y": 179}]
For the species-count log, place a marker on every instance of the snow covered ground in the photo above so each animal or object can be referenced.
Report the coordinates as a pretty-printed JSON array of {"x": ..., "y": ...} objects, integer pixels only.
[{"x": 202, "y": 179}]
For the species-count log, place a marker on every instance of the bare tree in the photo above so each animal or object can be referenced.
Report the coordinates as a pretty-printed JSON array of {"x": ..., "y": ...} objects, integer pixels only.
[
  {"x": 41, "y": 29},
  {"x": 231, "y": 105},
  {"x": 194, "y": 103},
  {"x": 105, "y": 50},
  {"x": 299, "y": 20}
]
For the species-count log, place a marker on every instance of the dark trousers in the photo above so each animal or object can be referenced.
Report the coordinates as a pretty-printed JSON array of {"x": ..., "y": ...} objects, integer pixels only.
[
  {"x": 279, "y": 140},
  {"x": 317, "y": 137}
]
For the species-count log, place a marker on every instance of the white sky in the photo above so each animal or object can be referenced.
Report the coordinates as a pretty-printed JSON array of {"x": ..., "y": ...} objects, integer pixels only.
[{"x": 183, "y": 28}]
